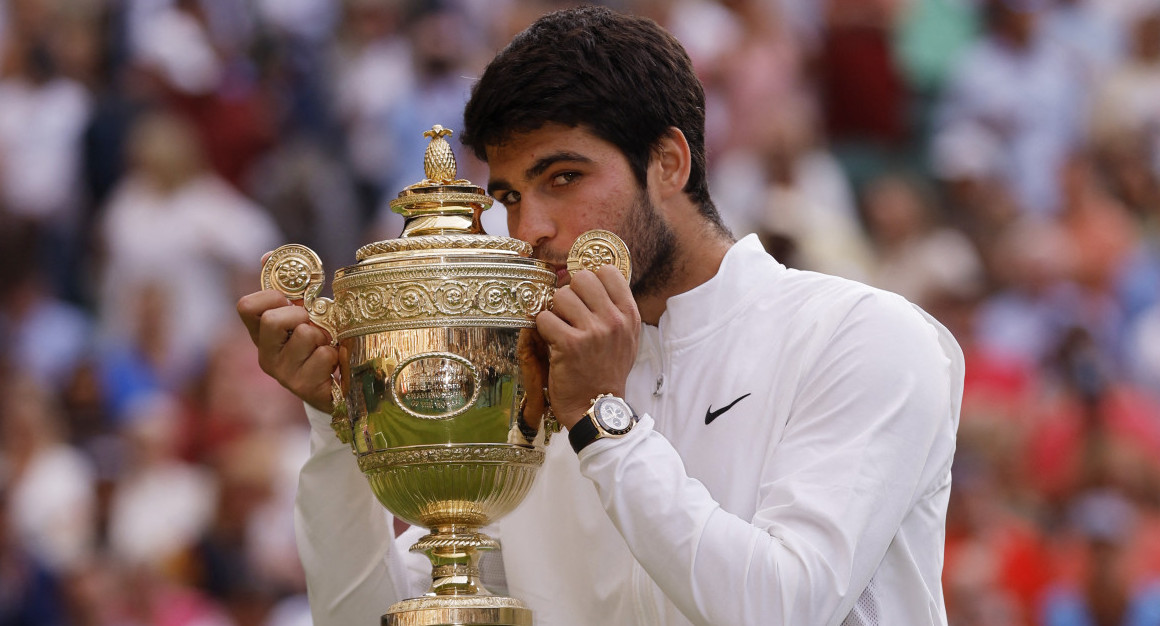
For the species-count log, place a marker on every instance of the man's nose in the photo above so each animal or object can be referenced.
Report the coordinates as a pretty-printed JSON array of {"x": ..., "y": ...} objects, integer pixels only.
[{"x": 532, "y": 224}]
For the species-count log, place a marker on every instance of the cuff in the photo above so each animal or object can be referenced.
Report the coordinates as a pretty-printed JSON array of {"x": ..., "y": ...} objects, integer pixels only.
[{"x": 606, "y": 446}]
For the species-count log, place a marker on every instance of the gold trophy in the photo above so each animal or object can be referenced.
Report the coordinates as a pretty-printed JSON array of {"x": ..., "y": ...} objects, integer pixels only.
[{"x": 435, "y": 354}]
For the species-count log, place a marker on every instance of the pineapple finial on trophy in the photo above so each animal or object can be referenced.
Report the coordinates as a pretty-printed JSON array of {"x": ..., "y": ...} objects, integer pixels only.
[
  {"x": 439, "y": 160},
  {"x": 440, "y": 204}
]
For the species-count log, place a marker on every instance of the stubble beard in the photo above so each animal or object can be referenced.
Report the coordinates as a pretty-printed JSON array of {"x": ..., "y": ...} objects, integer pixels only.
[{"x": 652, "y": 246}]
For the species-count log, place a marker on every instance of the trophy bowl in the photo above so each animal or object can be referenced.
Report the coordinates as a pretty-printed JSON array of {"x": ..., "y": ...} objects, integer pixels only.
[{"x": 434, "y": 337}]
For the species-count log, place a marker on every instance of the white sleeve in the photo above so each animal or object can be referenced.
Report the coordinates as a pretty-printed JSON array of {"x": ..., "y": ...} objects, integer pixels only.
[
  {"x": 854, "y": 458},
  {"x": 354, "y": 570}
]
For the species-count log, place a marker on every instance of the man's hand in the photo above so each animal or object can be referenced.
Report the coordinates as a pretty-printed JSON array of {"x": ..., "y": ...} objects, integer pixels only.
[
  {"x": 293, "y": 351},
  {"x": 592, "y": 332}
]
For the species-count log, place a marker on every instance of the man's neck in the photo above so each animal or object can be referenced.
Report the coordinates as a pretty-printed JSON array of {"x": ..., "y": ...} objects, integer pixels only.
[{"x": 701, "y": 248}]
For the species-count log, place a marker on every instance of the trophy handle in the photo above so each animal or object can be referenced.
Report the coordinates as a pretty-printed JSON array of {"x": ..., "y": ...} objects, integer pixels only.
[{"x": 295, "y": 271}]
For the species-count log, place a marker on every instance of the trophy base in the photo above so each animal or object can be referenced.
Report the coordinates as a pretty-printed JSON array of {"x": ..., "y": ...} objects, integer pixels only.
[{"x": 458, "y": 611}]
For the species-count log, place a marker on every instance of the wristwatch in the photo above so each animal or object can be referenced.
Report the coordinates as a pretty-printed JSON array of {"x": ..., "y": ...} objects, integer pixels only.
[{"x": 609, "y": 417}]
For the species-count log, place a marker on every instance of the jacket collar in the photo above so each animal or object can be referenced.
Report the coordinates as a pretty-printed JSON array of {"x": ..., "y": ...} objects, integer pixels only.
[{"x": 702, "y": 309}]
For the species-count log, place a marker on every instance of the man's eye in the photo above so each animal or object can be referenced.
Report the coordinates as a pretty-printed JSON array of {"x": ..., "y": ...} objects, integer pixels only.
[
  {"x": 508, "y": 198},
  {"x": 565, "y": 178}
]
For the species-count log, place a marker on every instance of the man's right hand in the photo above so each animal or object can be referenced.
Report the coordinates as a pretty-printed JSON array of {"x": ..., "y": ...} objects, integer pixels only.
[{"x": 292, "y": 350}]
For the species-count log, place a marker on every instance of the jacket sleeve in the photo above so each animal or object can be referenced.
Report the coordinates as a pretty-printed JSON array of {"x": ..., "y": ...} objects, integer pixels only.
[
  {"x": 870, "y": 433},
  {"x": 354, "y": 568}
]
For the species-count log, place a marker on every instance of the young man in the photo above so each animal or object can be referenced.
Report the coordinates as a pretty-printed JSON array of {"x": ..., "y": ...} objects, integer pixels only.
[{"x": 792, "y": 460}]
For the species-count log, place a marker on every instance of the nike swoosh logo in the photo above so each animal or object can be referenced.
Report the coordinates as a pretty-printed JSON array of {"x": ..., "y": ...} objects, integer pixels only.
[{"x": 711, "y": 415}]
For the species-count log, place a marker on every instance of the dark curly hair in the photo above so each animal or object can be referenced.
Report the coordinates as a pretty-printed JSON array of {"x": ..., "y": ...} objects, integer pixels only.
[{"x": 623, "y": 77}]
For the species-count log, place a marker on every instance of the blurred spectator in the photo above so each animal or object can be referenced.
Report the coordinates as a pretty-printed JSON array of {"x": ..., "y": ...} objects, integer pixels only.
[
  {"x": 43, "y": 336},
  {"x": 194, "y": 55},
  {"x": 171, "y": 38},
  {"x": 863, "y": 93},
  {"x": 1027, "y": 316},
  {"x": 1104, "y": 524},
  {"x": 31, "y": 593},
  {"x": 245, "y": 556},
  {"x": 1089, "y": 429},
  {"x": 51, "y": 508},
  {"x": 997, "y": 563},
  {"x": 1102, "y": 242},
  {"x": 930, "y": 36},
  {"x": 373, "y": 72},
  {"x": 161, "y": 504},
  {"x": 1126, "y": 137},
  {"x": 441, "y": 59},
  {"x": 916, "y": 257},
  {"x": 791, "y": 189},
  {"x": 42, "y": 117},
  {"x": 235, "y": 398},
  {"x": 1089, "y": 32},
  {"x": 312, "y": 198},
  {"x": 1127, "y": 102},
  {"x": 967, "y": 159},
  {"x": 1143, "y": 350},
  {"x": 761, "y": 70},
  {"x": 179, "y": 244},
  {"x": 1020, "y": 87}
]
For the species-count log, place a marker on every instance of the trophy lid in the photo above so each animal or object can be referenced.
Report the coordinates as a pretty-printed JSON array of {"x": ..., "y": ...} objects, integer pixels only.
[{"x": 442, "y": 211}]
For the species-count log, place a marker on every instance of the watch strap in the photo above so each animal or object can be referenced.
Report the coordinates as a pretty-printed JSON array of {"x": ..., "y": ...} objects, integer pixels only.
[{"x": 583, "y": 433}]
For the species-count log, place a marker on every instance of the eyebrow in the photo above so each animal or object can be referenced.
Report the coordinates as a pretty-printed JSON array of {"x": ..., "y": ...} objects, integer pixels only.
[{"x": 537, "y": 168}]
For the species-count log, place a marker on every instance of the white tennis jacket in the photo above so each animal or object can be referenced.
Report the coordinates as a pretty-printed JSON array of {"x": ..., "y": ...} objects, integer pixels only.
[{"x": 791, "y": 466}]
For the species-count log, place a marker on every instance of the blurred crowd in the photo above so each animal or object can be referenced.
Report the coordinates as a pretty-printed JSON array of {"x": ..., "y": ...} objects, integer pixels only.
[{"x": 995, "y": 161}]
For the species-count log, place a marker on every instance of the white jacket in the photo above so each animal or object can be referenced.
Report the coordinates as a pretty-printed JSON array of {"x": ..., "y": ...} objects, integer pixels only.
[{"x": 817, "y": 497}]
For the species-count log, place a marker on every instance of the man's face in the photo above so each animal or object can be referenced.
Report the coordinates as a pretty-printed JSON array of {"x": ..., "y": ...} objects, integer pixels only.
[{"x": 558, "y": 182}]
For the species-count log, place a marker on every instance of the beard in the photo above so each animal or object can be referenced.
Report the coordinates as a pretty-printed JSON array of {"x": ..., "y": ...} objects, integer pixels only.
[{"x": 652, "y": 246}]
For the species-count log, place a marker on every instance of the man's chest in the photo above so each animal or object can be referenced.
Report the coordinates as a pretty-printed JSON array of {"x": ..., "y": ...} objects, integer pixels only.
[{"x": 723, "y": 407}]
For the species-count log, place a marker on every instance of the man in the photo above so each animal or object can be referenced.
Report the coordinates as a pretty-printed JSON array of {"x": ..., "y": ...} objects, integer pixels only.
[{"x": 792, "y": 460}]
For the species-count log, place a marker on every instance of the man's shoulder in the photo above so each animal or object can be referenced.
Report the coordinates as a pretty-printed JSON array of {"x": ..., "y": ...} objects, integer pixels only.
[
  {"x": 794, "y": 300},
  {"x": 813, "y": 292}
]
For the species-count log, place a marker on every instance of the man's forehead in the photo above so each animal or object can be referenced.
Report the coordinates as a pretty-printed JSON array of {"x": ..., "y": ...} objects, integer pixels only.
[
  {"x": 519, "y": 143},
  {"x": 526, "y": 155}
]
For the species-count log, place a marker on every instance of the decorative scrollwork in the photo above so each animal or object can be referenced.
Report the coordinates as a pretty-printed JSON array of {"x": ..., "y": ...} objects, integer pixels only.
[
  {"x": 495, "y": 297},
  {"x": 454, "y": 297},
  {"x": 373, "y": 302},
  {"x": 397, "y": 303}
]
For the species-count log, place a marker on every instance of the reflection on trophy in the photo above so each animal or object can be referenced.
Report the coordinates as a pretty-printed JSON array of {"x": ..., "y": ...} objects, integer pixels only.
[{"x": 434, "y": 336}]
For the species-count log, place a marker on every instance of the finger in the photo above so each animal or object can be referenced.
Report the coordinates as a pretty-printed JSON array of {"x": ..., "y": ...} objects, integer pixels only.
[
  {"x": 618, "y": 289},
  {"x": 252, "y": 306},
  {"x": 593, "y": 293},
  {"x": 266, "y": 256},
  {"x": 277, "y": 326},
  {"x": 302, "y": 343},
  {"x": 569, "y": 307},
  {"x": 554, "y": 330},
  {"x": 317, "y": 372}
]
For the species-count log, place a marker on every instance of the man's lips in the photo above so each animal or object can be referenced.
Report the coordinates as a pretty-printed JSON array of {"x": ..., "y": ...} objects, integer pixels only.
[
  {"x": 558, "y": 265},
  {"x": 562, "y": 275}
]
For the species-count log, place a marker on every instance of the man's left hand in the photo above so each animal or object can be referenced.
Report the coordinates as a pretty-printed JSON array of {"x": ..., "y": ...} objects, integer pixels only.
[{"x": 591, "y": 332}]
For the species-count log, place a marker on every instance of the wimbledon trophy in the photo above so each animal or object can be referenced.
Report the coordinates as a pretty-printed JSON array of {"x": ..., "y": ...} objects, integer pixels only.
[{"x": 440, "y": 395}]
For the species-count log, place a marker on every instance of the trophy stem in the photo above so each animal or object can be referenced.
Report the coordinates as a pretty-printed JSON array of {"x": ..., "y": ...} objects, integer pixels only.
[
  {"x": 457, "y": 597},
  {"x": 454, "y": 551}
]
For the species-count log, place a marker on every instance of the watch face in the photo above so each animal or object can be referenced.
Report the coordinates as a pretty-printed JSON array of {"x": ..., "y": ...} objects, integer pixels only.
[{"x": 614, "y": 415}]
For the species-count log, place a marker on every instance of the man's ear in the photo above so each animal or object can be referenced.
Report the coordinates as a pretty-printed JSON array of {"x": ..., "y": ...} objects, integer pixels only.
[{"x": 670, "y": 164}]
